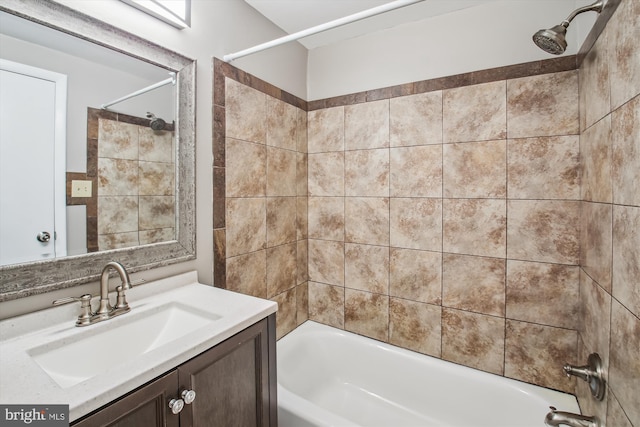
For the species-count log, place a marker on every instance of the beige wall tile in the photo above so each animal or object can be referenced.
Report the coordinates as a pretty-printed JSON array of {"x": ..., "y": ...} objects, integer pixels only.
[
  {"x": 626, "y": 256},
  {"x": 544, "y": 168},
  {"x": 595, "y": 150},
  {"x": 366, "y": 220},
  {"x": 118, "y": 240},
  {"x": 117, "y": 214},
  {"x": 156, "y": 236},
  {"x": 474, "y": 283},
  {"x": 246, "y": 225},
  {"x": 326, "y": 304},
  {"x": 474, "y": 227},
  {"x": 156, "y": 212},
  {"x": 326, "y": 130},
  {"x": 415, "y": 326},
  {"x": 416, "y": 275},
  {"x": 594, "y": 83},
  {"x": 301, "y": 132},
  {"x": 366, "y": 314},
  {"x": 366, "y": 173},
  {"x": 416, "y": 223},
  {"x": 596, "y": 221},
  {"x": 246, "y": 112},
  {"x": 281, "y": 220},
  {"x": 543, "y": 293},
  {"x": 246, "y": 169},
  {"x": 474, "y": 340},
  {"x": 118, "y": 140},
  {"x": 544, "y": 230},
  {"x": 156, "y": 146},
  {"x": 247, "y": 274},
  {"x": 366, "y": 125},
  {"x": 302, "y": 257},
  {"x": 286, "y": 316},
  {"x": 543, "y": 105},
  {"x": 624, "y": 364},
  {"x": 531, "y": 349},
  {"x": 624, "y": 60},
  {"x": 326, "y": 174},
  {"x": 416, "y": 119},
  {"x": 416, "y": 171},
  {"x": 326, "y": 218},
  {"x": 282, "y": 124},
  {"x": 326, "y": 262},
  {"x": 281, "y": 269},
  {"x": 366, "y": 268},
  {"x": 615, "y": 413},
  {"x": 625, "y": 167},
  {"x": 475, "y": 113},
  {"x": 156, "y": 179},
  {"x": 302, "y": 218},
  {"x": 281, "y": 172},
  {"x": 117, "y": 177},
  {"x": 595, "y": 321},
  {"x": 302, "y": 174},
  {"x": 476, "y": 169},
  {"x": 302, "y": 303}
]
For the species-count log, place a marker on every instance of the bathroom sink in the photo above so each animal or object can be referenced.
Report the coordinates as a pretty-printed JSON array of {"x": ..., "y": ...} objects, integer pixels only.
[{"x": 92, "y": 351}]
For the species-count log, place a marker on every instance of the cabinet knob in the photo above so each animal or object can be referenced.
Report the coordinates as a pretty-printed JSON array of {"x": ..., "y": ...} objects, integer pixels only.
[
  {"x": 188, "y": 396},
  {"x": 176, "y": 405}
]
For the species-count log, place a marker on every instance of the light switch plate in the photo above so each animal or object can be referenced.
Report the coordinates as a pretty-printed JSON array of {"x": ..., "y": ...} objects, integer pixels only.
[{"x": 80, "y": 188}]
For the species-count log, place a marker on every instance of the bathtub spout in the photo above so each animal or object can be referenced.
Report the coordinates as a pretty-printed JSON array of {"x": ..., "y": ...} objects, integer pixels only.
[{"x": 558, "y": 418}]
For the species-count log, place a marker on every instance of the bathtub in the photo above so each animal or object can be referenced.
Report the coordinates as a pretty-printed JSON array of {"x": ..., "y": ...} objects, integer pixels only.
[{"x": 329, "y": 377}]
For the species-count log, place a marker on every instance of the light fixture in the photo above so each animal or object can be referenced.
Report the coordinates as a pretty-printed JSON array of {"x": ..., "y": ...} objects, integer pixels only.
[{"x": 176, "y": 13}]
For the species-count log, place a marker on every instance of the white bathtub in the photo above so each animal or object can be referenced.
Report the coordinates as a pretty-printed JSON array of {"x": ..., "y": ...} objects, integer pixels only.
[{"x": 329, "y": 377}]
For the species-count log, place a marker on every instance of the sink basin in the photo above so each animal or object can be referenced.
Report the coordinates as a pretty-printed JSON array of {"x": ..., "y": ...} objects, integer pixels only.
[{"x": 117, "y": 341}]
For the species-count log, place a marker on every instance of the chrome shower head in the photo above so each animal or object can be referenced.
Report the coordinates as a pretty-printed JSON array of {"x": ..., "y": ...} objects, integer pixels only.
[
  {"x": 553, "y": 40},
  {"x": 156, "y": 123}
]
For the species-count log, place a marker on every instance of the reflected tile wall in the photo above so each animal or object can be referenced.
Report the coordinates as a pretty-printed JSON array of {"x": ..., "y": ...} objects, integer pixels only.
[{"x": 135, "y": 182}]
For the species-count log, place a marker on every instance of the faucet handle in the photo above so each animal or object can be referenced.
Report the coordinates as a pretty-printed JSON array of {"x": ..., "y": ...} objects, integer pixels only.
[{"x": 85, "y": 307}]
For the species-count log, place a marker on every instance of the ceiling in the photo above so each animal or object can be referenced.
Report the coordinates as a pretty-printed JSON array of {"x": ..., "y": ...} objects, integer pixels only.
[{"x": 295, "y": 15}]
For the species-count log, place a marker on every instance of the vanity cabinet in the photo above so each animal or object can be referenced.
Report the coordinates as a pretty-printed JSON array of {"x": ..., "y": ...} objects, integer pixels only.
[{"x": 235, "y": 385}]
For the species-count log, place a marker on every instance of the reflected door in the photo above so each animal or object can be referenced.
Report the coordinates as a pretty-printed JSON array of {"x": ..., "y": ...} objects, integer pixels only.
[{"x": 28, "y": 225}]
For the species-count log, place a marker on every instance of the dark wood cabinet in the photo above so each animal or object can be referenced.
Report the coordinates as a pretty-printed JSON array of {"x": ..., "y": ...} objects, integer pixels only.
[{"x": 235, "y": 385}]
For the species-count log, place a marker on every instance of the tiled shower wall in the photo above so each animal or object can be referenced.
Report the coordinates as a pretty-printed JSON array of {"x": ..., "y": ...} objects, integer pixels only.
[
  {"x": 610, "y": 220},
  {"x": 446, "y": 222},
  {"x": 260, "y": 181}
]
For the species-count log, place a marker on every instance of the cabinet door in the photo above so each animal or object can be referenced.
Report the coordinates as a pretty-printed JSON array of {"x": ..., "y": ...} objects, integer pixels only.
[
  {"x": 231, "y": 381},
  {"x": 146, "y": 407}
]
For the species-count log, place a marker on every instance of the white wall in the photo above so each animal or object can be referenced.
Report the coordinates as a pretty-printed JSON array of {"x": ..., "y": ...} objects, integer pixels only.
[{"x": 445, "y": 45}]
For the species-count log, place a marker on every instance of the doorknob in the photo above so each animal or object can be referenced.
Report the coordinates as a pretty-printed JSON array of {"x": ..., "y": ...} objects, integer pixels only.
[{"x": 43, "y": 236}]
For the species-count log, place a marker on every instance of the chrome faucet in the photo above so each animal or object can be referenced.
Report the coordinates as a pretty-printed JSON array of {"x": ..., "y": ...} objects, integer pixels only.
[
  {"x": 105, "y": 310},
  {"x": 592, "y": 373},
  {"x": 558, "y": 418}
]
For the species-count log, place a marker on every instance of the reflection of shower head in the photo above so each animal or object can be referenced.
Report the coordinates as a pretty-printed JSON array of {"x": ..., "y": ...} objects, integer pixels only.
[
  {"x": 156, "y": 123},
  {"x": 553, "y": 40}
]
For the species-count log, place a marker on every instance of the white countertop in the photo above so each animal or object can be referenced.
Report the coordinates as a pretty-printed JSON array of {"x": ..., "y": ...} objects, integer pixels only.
[{"x": 23, "y": 381}]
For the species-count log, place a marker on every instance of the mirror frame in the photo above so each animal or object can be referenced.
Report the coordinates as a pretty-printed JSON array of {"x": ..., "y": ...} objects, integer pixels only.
[{"x": 31, "y": 278}]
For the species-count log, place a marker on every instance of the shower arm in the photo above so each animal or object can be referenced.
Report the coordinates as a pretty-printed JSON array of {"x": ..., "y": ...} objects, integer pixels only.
[
  {"x": 596, "y": 7},
  {"x": 170, "y": 80}
]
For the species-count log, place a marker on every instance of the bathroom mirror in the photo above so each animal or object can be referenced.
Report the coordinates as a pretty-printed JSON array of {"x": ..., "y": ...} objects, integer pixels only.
[{"x": 28, "y": 278}]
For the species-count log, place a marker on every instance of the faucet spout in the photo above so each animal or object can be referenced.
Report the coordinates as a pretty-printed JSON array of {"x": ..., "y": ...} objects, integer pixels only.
[
  {"x": 105, "y": 307},
  {"x": 557, "y": 418}
]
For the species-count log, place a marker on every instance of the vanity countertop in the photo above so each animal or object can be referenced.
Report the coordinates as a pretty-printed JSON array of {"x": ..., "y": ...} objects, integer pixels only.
[{"x": 24, "y": 381}]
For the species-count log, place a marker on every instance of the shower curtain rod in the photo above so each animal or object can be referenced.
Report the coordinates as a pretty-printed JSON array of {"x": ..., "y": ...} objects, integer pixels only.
[
  {"x": 322, "y": 27},
  {"x": 170, "y": 80}
]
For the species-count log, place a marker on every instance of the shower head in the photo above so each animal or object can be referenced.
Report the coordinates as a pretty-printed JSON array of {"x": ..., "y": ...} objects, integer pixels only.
[
  {"x": 156, "y": 123},
  {"x": 553, "y": 40}
]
